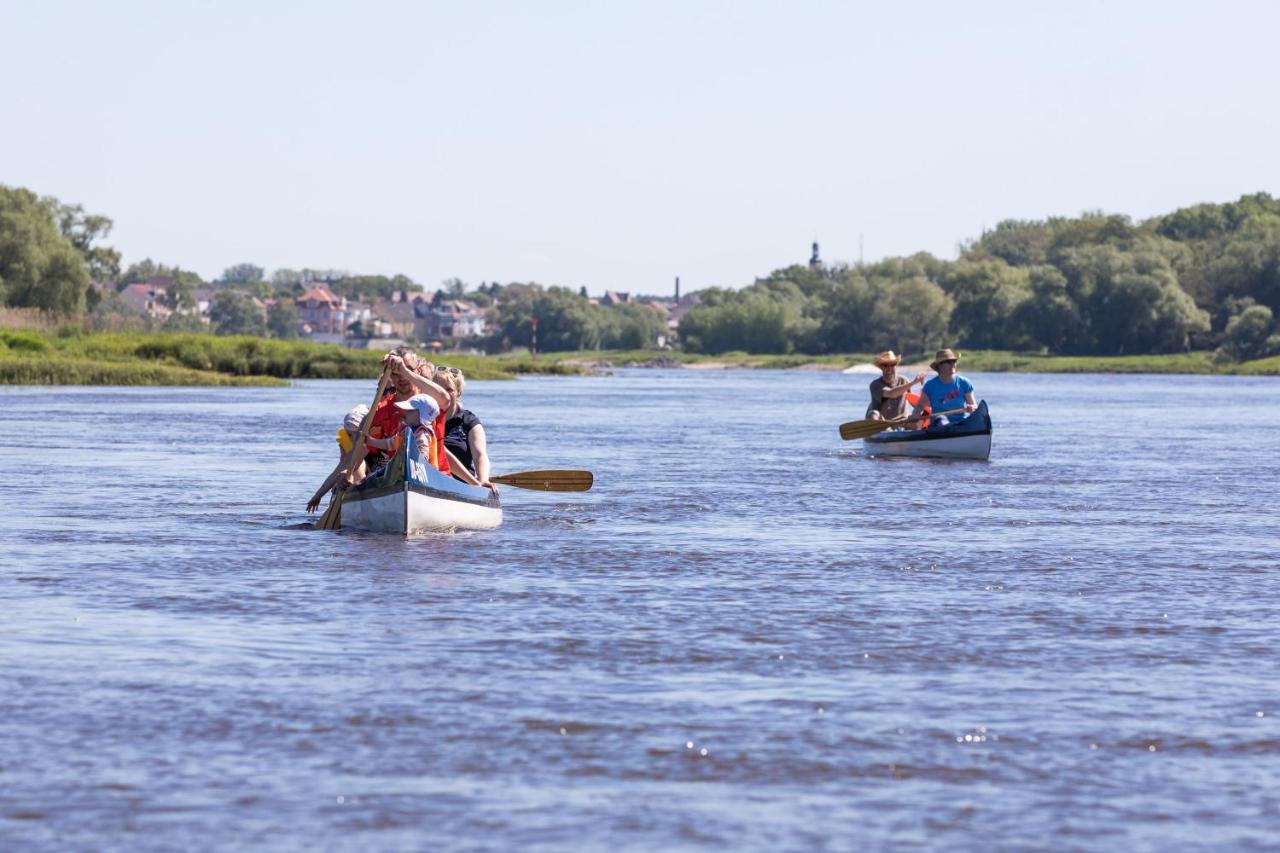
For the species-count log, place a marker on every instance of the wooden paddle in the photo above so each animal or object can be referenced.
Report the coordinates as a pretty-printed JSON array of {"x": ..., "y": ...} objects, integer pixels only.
[
  {"x": 547, "y": 481},
  {"x": 332, "y": 518},
  {"x": 870, "y": 426}
]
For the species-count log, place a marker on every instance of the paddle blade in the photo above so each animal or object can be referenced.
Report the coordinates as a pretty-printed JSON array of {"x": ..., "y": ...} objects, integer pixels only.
[
  {"x": 332, "y": 518},
  {"x": 547, "y": 481},
  {"x": 861, "y": 429}
]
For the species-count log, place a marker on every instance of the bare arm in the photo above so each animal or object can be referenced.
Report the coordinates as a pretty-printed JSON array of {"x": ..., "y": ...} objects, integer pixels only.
[
  {"x": 898, "y": 391},
  {"x": 479, "y": 451},
  {"x": 329, "y": 482},
  {"x": 459, "y": 470},
  {"x": 423, "y": 385},
  {"x": 969, "y": 403}
]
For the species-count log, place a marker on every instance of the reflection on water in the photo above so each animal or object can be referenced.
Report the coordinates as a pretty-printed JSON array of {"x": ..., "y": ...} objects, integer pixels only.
[{"x": 748, "y": 633}]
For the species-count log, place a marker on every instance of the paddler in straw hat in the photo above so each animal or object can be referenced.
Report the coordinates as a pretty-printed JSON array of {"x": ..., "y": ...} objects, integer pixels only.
[
  {"x": 947, "y": 391},
  {"x": 889, "y": 390}
]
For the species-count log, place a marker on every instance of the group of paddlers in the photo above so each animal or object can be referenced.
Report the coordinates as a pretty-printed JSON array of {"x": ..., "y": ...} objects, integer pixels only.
[
  {"x": 943, "y": 398},
  {"x": 425, "y": 398}
]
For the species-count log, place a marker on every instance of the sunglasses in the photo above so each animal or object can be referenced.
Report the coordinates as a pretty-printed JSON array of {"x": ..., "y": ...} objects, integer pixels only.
[{"x": 455, "y": 371}]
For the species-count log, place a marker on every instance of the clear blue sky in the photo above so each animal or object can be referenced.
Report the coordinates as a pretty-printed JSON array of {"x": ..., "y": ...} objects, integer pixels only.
[{"x": 618, "y": 145}]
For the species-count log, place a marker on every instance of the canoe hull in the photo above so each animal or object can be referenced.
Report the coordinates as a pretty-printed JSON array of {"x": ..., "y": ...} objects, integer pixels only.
[
  {"x": 956, "y": 447},
  {"x": 413, "y": 511},
  {"x": 411, "y": 496},
  {"x": 968, "y": 439}
]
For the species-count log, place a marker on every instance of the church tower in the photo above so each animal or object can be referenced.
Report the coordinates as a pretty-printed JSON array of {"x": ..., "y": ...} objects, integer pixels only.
[{"x": 815, "y": 262}]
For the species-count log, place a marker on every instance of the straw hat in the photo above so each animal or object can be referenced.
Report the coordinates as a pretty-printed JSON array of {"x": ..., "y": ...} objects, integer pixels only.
[
  {"x": 886, "y": 358},
  {"x": 943, "y": 355}
]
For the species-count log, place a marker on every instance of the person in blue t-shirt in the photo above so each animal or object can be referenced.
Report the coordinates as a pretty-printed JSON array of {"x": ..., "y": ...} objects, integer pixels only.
[{"x": 946, "y": 392}]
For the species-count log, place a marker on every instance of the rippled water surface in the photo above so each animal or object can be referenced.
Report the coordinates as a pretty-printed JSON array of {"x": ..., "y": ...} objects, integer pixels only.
[{"x": 748, "y": 635}]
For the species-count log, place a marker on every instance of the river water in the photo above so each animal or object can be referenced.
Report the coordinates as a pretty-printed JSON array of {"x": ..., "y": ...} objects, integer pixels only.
[{"x": 747, "y": 635}]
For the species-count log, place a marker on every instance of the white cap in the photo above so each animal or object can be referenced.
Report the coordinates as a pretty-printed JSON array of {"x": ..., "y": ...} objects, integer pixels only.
[
  {"x": 352, "y": 422},
  {"x": 426, "y": 407}
]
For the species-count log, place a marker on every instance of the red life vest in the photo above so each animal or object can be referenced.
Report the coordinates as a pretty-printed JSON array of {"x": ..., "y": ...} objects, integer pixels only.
[{"x": 386, "y": 421}]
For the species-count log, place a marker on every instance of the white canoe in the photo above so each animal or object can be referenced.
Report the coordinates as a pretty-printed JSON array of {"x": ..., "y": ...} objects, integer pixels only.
[
  {"x": 411, "y": 496},
  {"x": 967, "y": 439}
]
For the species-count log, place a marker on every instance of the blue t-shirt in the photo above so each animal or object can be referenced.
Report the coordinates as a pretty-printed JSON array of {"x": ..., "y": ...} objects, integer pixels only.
[{"x": 945, "y": 396}]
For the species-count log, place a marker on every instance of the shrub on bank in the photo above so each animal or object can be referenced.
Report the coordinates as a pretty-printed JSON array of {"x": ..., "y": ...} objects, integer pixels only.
[
  {"x": 75, "y": 371},
  {"x": 78, "y": 358},
  {"x": 22, "y": 341}
]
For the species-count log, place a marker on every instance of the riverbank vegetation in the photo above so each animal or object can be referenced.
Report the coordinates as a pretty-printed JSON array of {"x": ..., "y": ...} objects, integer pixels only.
[
  {"x": 974, "y": 361},
  {"x": 74, "y": 358}
]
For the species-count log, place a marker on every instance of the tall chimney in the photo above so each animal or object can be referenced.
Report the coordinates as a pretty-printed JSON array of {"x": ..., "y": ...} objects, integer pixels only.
[{"x": 677, "y": 290}]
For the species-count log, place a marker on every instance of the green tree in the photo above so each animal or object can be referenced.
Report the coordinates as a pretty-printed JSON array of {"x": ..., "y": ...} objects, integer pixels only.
[
  {"x": 1247, "y": 334},
  {"x": 186, "y": 322},
  {"x": 234, "y": 314},
  {"x": 179, "y": 297},
  {"x": 988, "y": 296},
  {"x": 284, "y": 278},
  {"x": 912, "y": 315},
  {"x": 1249, "y": 264},
  {"x": 83, "y": 230},
  {"x": 565, "y": 320},
  {"x": 282, "y": 319},
  {"x": 243, "y": 274},
  {"x": 1207, "y": 221},
  {"x": 750, "y": 321},
  {"x": 1015, "y": 242},
  {"x": 634, "y": 326},
  {"x": 1131, "y": 301},
  {"x": 847, "y": 321},
  {"x": 39, "y": 266},
  {"x": 147, "y": 269},
  {"x": 368, "y": 288},
  {"x": 1051, "y": 316}
]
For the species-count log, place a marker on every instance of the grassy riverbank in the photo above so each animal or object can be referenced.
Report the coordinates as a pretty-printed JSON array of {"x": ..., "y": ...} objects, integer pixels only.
[
  {"x": 32, "y": 358},
  {"x": 36, "y": 358},
  {"x": 995, "y": 361}
]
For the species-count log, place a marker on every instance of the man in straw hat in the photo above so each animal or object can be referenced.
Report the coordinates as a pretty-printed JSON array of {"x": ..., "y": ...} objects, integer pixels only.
[
  {"x": 947, "y": 391},
  {"x": 889, "y": 391}
]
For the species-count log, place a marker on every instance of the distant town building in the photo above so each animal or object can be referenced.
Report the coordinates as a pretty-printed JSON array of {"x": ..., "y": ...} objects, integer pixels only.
[
  {"x": 612, "y": 298},
  {"x": 203, "y": 297},
  {"x": 676, "y": 313},
  {"x": 398, "y": 312},
  {"x": 147, "y": 298},
  {"x": 443, "y": 319},
  {"x": 322, "y": 313}
]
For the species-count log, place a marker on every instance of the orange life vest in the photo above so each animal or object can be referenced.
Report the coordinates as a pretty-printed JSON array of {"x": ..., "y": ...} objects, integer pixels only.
[{"x": 914, "y": 400}]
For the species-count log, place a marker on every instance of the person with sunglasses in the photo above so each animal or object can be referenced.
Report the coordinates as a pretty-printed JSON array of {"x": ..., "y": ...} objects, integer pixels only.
[
  {"x": 464, "y": 436},
  {"x": 945, "y": 392}
]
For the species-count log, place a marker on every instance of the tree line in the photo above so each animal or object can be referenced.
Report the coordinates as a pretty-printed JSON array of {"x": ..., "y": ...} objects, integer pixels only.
[{"x": 1201, "y": 277}]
